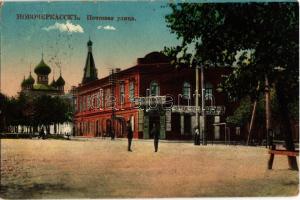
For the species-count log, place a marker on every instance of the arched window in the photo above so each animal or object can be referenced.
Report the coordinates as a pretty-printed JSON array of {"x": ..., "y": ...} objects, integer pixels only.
[
  {"x": 186, "y": 91},
  {"x": 154, "y": 89},
  {"x": 122, "y": 93},
  {"x": 131, "y": 91}
]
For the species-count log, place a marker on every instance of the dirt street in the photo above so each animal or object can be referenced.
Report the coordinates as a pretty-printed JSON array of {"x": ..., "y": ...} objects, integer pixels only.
[{"x": 99, "y": 168}]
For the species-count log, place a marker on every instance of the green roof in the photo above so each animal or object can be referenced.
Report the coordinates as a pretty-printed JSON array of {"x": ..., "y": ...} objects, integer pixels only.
[
  {"x": 42, "y": 68},
  {"x": 43, "y": 87},
  {"x": 28, "y": 81}
]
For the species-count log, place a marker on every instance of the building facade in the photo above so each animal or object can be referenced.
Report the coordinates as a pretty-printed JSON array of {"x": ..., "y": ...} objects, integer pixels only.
[{"x": 151, "y": 92}]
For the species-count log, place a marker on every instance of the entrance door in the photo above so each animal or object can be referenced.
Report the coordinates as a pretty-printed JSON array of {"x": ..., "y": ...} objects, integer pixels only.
[
  {"x": 154, "y": 118},
  {"x": 187, "y": 124},
  {"x": 108, "y": 128}
]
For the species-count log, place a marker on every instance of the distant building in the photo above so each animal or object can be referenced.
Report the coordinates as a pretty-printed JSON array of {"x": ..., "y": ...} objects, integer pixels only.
[
  {"x": 140, "y": 94},
  {"x": 40, "y": 86}
]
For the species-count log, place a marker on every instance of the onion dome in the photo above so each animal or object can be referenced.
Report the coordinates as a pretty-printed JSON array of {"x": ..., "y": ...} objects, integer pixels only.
[
  {"x": 60, "y": 81},
  {"x": 23, "y": 84},
  {"x": 30, "y": 80},
  {"x": 42, "y": 68}
]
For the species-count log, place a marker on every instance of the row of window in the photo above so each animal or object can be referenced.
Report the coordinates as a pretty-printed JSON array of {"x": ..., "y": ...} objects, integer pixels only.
[
  {"x": 106, "y": 99},
  {"x": 186, "y": 89}
]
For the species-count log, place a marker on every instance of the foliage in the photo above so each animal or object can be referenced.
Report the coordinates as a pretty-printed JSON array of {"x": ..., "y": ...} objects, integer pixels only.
[
  {"x": 40, "y": 110},
  {"x": 219, "y": 32},
  {"x": 242, "y": 115}
]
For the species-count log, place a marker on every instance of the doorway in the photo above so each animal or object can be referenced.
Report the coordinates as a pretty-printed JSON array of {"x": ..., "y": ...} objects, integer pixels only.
[
  {"x": 187, "y": 125},
  {"x": 154, "y": 118}
]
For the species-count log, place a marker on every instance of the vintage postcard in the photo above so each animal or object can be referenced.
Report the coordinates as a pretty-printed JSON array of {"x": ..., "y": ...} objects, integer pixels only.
[{"x": 149, "y": 99}]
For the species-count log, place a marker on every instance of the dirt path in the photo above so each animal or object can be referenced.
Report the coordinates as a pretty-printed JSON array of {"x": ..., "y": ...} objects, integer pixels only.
[{"x": 103, "y": 168}]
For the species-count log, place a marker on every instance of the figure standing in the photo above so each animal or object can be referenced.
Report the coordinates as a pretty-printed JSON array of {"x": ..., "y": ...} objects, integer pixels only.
[
  {"x": 129, "y": 135},
  {"x": 156, "y": 135},
  {"x": 41, "y": 133},
  {"x": 197, "y": 136}
]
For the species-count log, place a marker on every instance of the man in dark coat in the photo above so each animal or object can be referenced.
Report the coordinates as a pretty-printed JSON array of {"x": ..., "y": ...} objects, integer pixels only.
[
  {"x": 42, "y": 133},
  {"x": 156, "y": 135},
  {"x": 129, "y": 135}
]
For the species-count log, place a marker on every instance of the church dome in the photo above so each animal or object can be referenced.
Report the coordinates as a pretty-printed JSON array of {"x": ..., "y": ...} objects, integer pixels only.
[
  {"x": 30, "y": 80},
  {"x": 23, "y": 84},
  {"x": 60, "y": 81},
  {"x": 42, "y": 68}
]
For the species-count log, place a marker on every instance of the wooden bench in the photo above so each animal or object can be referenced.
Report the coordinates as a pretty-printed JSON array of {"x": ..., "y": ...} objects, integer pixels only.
[{"x": 275, "y": 151}]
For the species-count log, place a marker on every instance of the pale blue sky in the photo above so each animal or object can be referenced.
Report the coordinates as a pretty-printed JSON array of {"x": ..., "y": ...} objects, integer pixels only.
[{"x": 24, "y": 40}]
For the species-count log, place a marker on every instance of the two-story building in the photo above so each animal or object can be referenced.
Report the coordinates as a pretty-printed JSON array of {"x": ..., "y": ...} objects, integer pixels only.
[{"x": 151, "y": 92}]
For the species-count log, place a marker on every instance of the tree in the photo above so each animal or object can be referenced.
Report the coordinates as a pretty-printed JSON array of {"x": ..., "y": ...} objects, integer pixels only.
[
  {"x": 4, "y": 101},
  {"x": 264, "y": 37},
  {"x": 51, "y": 110}
]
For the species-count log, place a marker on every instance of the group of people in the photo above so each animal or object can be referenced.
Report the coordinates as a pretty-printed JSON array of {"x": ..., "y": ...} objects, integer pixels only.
[{"x": 154, "y": 132}]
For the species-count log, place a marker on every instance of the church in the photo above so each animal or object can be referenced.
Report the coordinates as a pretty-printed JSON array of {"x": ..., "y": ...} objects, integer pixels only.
[{"x": 41, "y": 86}]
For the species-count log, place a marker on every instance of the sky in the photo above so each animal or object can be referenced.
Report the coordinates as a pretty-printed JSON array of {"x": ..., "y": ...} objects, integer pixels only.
[
  {"x": 63, "y": 42},
  {"x": 116, "y": 44}
]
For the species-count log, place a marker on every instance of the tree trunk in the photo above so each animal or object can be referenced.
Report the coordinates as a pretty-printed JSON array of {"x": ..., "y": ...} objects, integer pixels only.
[
  {"x": 252, "y": 121},
  {"x": 286, "y": 126}
]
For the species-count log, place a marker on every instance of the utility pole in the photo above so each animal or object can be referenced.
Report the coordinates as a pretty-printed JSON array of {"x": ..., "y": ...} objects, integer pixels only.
[
  {"x": 268, "y": 108},
  {"x": 203, "y": 105},
  {"x": 197, "y": 97},
  {"x": 253, "y": 115}
]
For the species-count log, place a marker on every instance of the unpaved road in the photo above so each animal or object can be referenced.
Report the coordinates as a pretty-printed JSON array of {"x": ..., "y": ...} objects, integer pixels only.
[{"x": 99, "y": 168}]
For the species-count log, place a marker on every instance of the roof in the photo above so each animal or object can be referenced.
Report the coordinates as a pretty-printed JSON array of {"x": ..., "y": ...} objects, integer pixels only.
[
  {"x": 154, "y": 57},
  {"x": 90, "y": 71},
  {"x": 60, "y": 81},
  {"x": 43, "y": 87},
  {"x": 28, "y": 81},
  {"x": 42, "y": 68}
]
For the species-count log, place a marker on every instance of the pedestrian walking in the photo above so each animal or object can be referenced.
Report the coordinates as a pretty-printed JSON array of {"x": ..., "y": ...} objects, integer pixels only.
[
  {"x": 42, "y": 133},
  {"x": 129, "y": 135},
  {"x": 111, "y": 133},
  {"x": 197, "y": 136},
  {"x": 156, "y": 136}
]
